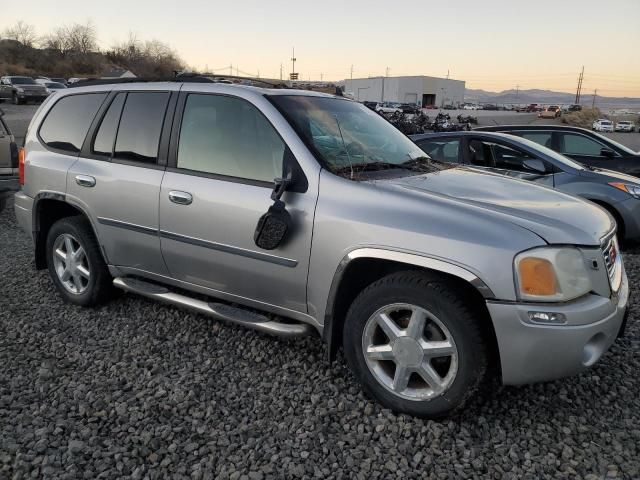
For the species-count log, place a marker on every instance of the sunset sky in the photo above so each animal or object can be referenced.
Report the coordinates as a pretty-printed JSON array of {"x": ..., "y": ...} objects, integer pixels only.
[{"x": 492, "y": 44}]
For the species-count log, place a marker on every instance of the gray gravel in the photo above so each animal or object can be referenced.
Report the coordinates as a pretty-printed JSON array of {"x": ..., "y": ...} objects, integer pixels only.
[{"x": 139, "y": 390}]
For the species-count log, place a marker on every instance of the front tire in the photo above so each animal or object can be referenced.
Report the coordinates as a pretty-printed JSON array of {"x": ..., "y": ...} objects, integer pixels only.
[
  {"x": 16, "y": 100},
  {"x": 75, "y": 263},
  {"x": 415, "y": 345}
]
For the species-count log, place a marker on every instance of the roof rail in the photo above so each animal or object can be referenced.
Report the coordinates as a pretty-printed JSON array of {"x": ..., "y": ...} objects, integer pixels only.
[{"x": 181, "y": 78}]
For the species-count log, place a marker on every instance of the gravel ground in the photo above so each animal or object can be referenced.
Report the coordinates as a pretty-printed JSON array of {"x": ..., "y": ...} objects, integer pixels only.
[{"x": 139, "y": 390}]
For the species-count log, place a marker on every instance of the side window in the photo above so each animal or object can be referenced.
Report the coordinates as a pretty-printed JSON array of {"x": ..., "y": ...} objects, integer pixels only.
[
  {"x": 580, "y": 145},
  {"x": 68, "y": 121},
  {"x": 508, "y": 158},
  {"x": 140, "y": 126},
  {"x": 541, "y": 138},
  {"x": 480, "y": 154},
  {"x": 443, "y": 150},
  {"x": 228, "y": 136},
  {"x": 106, "y": 136}
]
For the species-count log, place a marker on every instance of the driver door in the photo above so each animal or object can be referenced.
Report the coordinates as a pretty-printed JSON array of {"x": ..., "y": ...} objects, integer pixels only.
[{"x": 224, "y": 156}]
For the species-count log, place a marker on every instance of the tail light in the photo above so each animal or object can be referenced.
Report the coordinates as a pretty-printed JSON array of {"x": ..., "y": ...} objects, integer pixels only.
[{"x": 21, "y": 156}]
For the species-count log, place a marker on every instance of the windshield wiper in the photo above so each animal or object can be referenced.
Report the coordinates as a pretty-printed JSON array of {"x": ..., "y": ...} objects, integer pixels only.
[
  {"x": 424, "y": 161},
  {"x": 370, "y": 167}
]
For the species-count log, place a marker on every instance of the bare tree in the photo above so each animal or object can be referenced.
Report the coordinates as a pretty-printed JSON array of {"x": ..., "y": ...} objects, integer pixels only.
[
  {"x": 22, "y": 32},
  {"x": 82, "y": 38}
]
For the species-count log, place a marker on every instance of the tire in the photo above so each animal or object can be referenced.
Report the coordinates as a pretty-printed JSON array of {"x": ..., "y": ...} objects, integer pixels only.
[
  {"x": 92, "y": 289},
  {"x": 16, "y": 100},
  {"x": 448, "y": 319}
]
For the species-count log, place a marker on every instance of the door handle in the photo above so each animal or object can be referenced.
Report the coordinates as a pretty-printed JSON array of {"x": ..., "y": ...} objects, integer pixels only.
[
  {"x": 85, "y": 180},
  {"x": 181, "y": 198}
]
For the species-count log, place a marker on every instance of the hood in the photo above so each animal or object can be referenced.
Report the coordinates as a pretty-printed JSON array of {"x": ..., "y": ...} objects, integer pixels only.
[
  {"x": 610, "y": 175},
  {"x": 556, "y": 217}
]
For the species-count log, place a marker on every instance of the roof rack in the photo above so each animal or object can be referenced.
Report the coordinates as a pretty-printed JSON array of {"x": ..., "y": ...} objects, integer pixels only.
[{"x": 183, "y": 78}]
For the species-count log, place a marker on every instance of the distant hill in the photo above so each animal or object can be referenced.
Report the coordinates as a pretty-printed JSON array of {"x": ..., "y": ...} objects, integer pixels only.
[{"x": 546, "y": 96}]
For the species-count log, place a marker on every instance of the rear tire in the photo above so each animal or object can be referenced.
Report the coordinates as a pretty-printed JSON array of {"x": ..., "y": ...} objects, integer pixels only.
[
  {"x": 449, "y": 342},
  {"x": 75, "y": 263}
]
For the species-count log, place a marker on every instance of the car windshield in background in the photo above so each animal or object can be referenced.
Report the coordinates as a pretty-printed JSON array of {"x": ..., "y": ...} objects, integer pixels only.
[
  {"x": 23, "y": 81},
  {"x": 54, "y": 85},
  {"x": 349, "y": 138}
]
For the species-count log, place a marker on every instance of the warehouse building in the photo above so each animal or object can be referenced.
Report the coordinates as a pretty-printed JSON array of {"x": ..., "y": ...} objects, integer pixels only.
[{"x": 420, "y": 90}]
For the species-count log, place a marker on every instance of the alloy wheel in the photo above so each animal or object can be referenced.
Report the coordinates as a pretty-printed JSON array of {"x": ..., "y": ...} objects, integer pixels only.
[
  {"x": 410, "y": 352},
  {"x": 71, "y": 264}
]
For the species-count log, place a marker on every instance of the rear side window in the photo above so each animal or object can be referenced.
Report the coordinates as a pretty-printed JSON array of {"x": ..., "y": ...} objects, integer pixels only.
[
  {"x": 68, "y": 121},
  {"x": 140, "y": 126},
  {"x": 105, "y": 138}
]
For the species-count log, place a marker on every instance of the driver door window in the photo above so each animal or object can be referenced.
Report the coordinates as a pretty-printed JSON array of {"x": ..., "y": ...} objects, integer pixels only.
[
  {"x": 441, "y": 149},
  {"x": 228, "y": 136},
  {"x": 498, "y": 156},
  {"x": 573, "y": 144}
]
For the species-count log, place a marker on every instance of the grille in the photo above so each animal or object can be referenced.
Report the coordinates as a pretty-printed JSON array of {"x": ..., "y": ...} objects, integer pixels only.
[{"x": 612, "y": 261}]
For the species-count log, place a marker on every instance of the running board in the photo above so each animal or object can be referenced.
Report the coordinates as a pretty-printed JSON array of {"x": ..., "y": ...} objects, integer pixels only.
[{"x": 220, "y": 311}]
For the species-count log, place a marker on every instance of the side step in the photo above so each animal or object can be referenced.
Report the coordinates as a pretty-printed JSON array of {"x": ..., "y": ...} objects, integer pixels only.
[{"x": 220, "y": 311}]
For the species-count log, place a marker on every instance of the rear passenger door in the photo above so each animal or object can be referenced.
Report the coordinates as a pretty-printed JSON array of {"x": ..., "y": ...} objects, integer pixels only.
[
  {"x": 224, "y": 157},
  {"x": 118, "y": 175}
]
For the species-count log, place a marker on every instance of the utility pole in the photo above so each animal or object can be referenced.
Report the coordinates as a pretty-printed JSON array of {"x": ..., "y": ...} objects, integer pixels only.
[
  {"x": 579, "y": 90},
  {"x": 281, "y": 71},
  {"x": 258, "y": 73},
  {"x": 293, "y": 60},
  {"x": 231, "y": 69},
  {"x": 352, "y": 72},
  {"x": 517, "y": 92},
  {"x": 447, "y": 74},
  {"x": 386, "y": 72},
  {"x": 321, "y": 76},
  {"x": 593, "y": 103}
]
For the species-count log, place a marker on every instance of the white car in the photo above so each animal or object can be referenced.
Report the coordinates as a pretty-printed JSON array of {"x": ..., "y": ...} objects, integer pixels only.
[
  {"x": 625, "y": 126},
  {"x": 388, "y": 107},
  {"x": 602, "y": 125},
  {"x": 470, "y": 106}
]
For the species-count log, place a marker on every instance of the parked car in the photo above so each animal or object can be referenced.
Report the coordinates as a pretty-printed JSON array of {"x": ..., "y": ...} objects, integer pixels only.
[
  {"x": 53, "y": 87},
  {"x": 602, "y": 125},
  {"x": 489, "y": 106},
  {"x": 59, "y": 80},
  {"x": 625, "y": 126},
  {"x": 291, "y": 212},
  {"x": 552, "y": 111},
  {"x": 513, "y": 156},
  {"x": 370, "y": 105},
  {"x": 470, "y": 106},
  {"x": 574, "y": 108},
  {"x": 8, "y": 163},
  {"x": 579, "y": 144},
  {"x": 21, "y": 89},
  {"x": 388, "y": 107},
  {"x": 411, "y": 108}
]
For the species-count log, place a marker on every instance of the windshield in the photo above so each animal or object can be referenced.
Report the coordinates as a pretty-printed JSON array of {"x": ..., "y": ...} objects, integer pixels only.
[
  {"x": 54, "y": 85},
  {"x": 22, "y": 81},
  {"x": 348, "y": 137}
]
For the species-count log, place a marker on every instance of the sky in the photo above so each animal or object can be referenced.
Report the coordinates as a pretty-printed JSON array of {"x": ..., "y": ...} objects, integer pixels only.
[{"x": 491, "y": 44}]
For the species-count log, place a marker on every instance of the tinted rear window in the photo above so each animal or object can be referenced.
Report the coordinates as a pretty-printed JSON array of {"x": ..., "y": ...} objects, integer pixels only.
[
  {"x": 140, "y": 126},
  {"x": 68, "y": 121},
  {"x": 103, "y": 142}
]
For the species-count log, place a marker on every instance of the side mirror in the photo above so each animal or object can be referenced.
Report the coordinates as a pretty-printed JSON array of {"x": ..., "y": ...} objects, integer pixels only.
[
  {"x": 607, "y": 152},
  {"x": 273, "y": 226},
  {"x": 535, "y": 164}
]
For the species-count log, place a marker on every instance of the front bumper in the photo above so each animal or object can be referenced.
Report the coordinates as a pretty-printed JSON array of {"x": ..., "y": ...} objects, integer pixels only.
[{"x": 534, "y": 353}]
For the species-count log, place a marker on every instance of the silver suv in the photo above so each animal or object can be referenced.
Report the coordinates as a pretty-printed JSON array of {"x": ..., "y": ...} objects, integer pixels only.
[{"x": 293, "y": 212}]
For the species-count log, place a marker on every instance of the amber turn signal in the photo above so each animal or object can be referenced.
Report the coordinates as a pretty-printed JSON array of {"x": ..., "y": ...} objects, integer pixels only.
[{"x": 537, "y": 277}]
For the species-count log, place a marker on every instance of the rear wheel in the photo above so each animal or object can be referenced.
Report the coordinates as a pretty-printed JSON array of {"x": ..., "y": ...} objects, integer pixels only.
[
  {"x": 75, "y": 263},
  {"x": 415, "y": 345}
]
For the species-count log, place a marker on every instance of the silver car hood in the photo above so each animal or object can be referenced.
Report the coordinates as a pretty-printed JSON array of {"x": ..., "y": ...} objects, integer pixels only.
[{"x": 556, "y": 217}]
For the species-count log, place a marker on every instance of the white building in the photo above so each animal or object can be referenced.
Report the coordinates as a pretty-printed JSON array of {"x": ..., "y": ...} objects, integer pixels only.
[{"x": 421, "y": 90}]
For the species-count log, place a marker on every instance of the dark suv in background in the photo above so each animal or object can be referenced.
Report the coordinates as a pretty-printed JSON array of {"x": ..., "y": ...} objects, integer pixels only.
[
  {"x": 585, "y": 146},
  {"x": 21, "y": 89},
  {"x": 8, "y": 163}
]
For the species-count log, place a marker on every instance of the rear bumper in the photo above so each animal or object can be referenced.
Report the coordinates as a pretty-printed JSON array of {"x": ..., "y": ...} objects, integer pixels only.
[
  {"x": 8, "y": 185},
  {"x": 534, "y": 353},
  {"x": 23, "y": 207}
]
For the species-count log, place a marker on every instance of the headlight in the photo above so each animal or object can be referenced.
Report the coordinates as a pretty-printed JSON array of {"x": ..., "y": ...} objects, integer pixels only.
[
  {"x": 633, "y": 190},
  {"x": 551, "y": 274}
]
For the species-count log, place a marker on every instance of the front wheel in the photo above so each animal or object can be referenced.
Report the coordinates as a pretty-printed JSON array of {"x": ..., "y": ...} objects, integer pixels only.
[
  {"x": 415, "y": 345},
  {"x": 16, "y": 100},
  {"x": 75, "y": 263}
]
